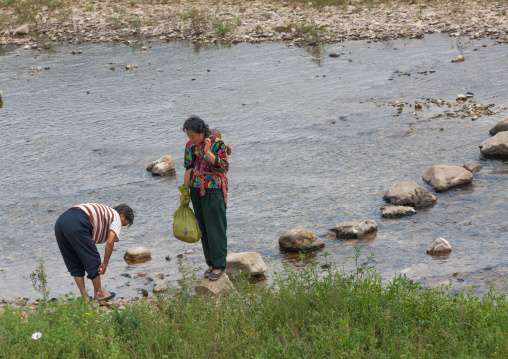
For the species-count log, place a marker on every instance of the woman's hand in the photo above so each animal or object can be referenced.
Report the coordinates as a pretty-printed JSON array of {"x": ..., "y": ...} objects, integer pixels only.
[{"x": 208, "y": 145}]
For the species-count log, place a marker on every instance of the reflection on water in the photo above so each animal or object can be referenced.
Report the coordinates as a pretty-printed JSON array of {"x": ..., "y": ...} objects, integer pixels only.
[{"x": 314, "y": 144}]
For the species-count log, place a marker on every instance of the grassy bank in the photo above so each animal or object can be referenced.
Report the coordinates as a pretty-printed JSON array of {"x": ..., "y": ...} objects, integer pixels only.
[{"x": 303, "y": 314}]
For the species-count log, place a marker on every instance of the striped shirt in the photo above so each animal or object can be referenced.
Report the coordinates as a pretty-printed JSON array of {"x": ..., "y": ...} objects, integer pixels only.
[{"x": 103, "y": 219}]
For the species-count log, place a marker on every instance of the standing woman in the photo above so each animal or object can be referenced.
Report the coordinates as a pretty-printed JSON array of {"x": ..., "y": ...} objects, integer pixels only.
[{"x": 206, "y": 165}]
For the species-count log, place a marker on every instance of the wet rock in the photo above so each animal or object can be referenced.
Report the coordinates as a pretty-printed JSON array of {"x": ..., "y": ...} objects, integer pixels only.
[
  {"x": 218, "y": 287},
  {"x": 161, "y": 287},
  {"x": 245, "y": 263},
  {"x": 396, "y": 211},
  {"x": 459, "y": 58},
  {"x": 144, "y": 292},
  {"x": 142, "y": 274},
  {"x": 461, "y": 97},
  {"x": 355, "y": 229},
  {"x": 410, "y": 194},
  {"x": 334, "y": 54},
  {"x": 137, "y": 255},
  {"x": 473, "y": 166},
  {"x": 499, "y": 127},
  {"x": 299, "y": 239},
  {"x": 168, "y": 258},
  {"x": 1, "y": 95},
  {"x": 163, "y": 166},
  {"x": 443, "y": 177},
  {"x": 188, "y": 251},
  {"x": 159, "y": 276},
  {"x": 439, "y": 247},
  {"x": 22, "y": 30},
  {"x": 38, "y": 69},
  {"x": 495, "y": 146}
]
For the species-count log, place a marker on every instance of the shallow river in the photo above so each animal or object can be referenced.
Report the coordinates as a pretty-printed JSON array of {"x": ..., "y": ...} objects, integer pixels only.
[{"x": 314, "y": 141}]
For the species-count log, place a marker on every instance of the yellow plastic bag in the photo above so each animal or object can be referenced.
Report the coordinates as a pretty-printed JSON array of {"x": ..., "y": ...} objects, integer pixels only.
[{"x": 185, "y": 225}]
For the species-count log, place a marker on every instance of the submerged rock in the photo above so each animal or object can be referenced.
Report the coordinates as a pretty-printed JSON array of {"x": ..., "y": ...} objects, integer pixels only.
[
  {"x": 137, "y": 255},
  {"x": 495, "y": 146},
  {"x": 396, "y": 211},
  {"x": 299, "y": 239},
  {"x": 443, "y": 177},
  {"x": 245, "y": 263},
  {"x": 355, "y": 229},
  {"x": 439, "y": 247},
  {"x": 473, "y": 166},
  {"x": 163, "y": 166},
  {"x": 410, "y": 194},
  {"x": 218, "y": 287},
  {"x": 499, "y": 127}
]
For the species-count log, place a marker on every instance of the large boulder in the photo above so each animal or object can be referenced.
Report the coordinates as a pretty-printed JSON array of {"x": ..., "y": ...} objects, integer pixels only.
[
  {"x": 439, "y": 247},
  {"x": 397, "y": 211},
  {"x": 443, "y": 177},
  {"x": 408, "y": 193},
  {"x": 355, "y": 229},
  {"x": 215, "y": 288},
  {"x": 163, "y": 166},
  {"x": 245, "y": 263},
  {"x": 495, "y": 146},
  {"x": 473, "y": 166},
  {"x": 499, "y": 127},
  {"x": 137, "y": 255},
  {"x": 22, "y": 30},
  {"x": 299, "y": 239}
]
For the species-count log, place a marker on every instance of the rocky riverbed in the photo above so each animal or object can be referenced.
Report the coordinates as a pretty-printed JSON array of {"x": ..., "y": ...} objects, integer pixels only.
[{"x": 206, "y": 22}]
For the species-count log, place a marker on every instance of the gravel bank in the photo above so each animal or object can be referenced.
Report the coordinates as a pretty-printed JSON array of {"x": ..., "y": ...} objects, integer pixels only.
[{"x": 205, "y": 22}]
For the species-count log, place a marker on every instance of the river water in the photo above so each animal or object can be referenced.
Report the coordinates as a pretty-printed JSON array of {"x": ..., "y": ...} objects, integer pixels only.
[{"x": 315, "y": 142}]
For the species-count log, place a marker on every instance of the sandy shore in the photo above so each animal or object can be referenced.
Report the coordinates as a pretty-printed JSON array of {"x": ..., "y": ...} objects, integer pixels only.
[{"x": 205, "y": 22}]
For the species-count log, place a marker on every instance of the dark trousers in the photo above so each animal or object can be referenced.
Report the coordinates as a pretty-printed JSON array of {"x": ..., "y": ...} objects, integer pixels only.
[
  {"x": 73, "y": 231},
  {"x": 210, "y": 211}
]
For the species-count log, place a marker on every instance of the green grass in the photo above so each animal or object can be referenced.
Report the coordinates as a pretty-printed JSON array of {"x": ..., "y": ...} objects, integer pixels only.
[{"x": 304, "y": 313}]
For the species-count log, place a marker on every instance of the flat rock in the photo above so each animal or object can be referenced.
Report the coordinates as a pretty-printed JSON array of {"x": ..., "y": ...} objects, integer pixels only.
[
  {"x": 495, "y": 146},
  {"x": 473, "y": 166},
  {"x": 396, "y": 211},
  {"x": 443, "y": 177},
  {"x": 22, "y": 30},
  {"x": 137, "y": 255},
  {"x": 245, "y": 263},
  {"x": 299, "y": 239},
  {"x": 218, "y": 287},
  {"x": 161, "y": 287},
  {"x": 408, "y": 193},
  {"x": 163, "y": 166},
  {"x": 439, "y": 247},
  {"x": 355, "y": 229},
  {"x": 499, "y": 127}
]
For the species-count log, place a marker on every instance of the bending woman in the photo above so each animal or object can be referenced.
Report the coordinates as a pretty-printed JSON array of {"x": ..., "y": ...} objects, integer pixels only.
[{"x": 206, "y": 165}]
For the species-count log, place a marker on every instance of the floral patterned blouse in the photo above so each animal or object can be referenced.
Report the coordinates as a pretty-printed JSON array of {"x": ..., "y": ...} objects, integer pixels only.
[{"x": 205, "y": 173}]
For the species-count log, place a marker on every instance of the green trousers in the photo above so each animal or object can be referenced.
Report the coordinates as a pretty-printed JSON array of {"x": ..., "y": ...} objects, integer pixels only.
[{"x": 210, "y": 211}]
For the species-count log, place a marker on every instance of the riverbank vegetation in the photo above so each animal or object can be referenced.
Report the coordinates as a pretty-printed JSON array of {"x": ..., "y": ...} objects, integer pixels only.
[{"x": 308, "y": 312}]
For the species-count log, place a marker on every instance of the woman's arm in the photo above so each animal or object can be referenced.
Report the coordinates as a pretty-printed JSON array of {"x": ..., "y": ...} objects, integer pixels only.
[
  {"x": 220, "y": 159},
  {"x": 187, "y": 177}
]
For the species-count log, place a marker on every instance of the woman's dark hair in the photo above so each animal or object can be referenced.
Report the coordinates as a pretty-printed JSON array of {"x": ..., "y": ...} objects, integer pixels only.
[
  {"x": 126, "y": 211},
  {"x": 196, "y": 124}
]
